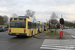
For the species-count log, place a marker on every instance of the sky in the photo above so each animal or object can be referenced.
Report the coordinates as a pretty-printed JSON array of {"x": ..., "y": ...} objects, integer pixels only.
[{"x": 43, "y": 8}]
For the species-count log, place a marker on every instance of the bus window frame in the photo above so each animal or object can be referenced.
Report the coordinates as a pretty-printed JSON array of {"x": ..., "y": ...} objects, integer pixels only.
[
  {"x": 29, "y": 26},
  {"x": 20, "y": 24}
]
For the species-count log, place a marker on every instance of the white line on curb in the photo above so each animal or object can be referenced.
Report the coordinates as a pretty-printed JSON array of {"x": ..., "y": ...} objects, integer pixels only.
[{"x": 72, "y": 36}]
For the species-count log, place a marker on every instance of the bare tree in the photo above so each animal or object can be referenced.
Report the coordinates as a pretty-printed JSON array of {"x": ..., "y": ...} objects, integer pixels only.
[
  {"x": 5, "y": 19},
  {"x": 54, "y": 16},
  {"x": 30, "y": 13},
  {"x": 1, "y": 20},
  {"x": 14, "y": 15},
  {"x": 53, "y": 19}
]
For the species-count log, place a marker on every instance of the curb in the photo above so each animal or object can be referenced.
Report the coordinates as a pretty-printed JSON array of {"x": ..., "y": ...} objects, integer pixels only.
[{"x": 43, "y": 36}]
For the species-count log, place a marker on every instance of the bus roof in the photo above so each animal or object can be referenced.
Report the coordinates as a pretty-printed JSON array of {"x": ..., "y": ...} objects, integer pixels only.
[
  {"x": 21, "y": 17},
  {"x": 24, "y": 16}
]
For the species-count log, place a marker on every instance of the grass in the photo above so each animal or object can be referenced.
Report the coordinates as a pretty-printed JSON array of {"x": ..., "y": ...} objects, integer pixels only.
[{"x": 52, "y": 33}]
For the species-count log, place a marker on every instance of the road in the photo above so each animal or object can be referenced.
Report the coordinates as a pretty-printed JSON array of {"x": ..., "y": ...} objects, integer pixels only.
[
  {"x": 71, "y": 32},
  {"x": 30, "y": 43},
  {"x": 13, "y": 43}
]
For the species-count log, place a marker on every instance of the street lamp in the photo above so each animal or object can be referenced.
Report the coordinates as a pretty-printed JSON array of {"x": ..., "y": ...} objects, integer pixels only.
[{"x": 46, "y": 26}]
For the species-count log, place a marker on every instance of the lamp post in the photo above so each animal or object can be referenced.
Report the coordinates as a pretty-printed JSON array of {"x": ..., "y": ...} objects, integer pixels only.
[{"x": 46, "y": 26}]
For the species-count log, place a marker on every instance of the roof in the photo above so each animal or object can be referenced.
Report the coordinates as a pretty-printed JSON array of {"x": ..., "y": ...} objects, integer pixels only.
[{"x": 24, "y": 16}]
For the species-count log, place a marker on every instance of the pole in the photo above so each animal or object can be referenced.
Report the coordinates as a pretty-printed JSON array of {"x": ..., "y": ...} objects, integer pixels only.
[
  {"x": 46, "y": 26},
  {"x": 60, "y": 31},
  {"x": 61, "y": 16}
]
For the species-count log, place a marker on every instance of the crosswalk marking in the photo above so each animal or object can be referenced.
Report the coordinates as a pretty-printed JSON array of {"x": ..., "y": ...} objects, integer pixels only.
[
  {"x": 72, "y": 36},
  {"x": 57, "y": 46}
]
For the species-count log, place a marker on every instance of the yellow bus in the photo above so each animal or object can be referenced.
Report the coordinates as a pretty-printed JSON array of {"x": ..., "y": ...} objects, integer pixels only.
[
  {"x": 21, "y": 25},
  {"x": 39, "y": 26},
  {"x": 42, "y": 27},
  {"x": 34, "y": 26}
]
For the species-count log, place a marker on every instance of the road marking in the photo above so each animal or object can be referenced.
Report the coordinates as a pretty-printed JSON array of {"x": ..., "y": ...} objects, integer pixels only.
[
  {"x": 72, "y": 36},
  {"x": 48, "y": 48},
  {"x": 56, "y": 45}
]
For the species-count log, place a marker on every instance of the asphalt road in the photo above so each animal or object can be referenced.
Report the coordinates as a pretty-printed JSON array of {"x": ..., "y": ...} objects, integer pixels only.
[
  {"x": 70, "y": 31},
  {"x": 22, "y": 43},
  {"x": 30, "y": 43}
]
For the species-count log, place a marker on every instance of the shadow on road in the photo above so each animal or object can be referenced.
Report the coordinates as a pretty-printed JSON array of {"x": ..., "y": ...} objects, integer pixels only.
[{"x": 21, "y": 37}]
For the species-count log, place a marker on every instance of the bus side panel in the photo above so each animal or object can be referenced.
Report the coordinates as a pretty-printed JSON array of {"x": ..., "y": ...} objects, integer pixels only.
[
  {"x": 28, "y": 30},
  {"x": 40, "y": 28}
]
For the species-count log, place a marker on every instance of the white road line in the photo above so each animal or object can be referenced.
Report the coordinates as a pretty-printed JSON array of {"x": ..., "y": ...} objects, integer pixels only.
[
  {"x": 49, "y": 48},
  {"x": 72, "y": 36},
  {"x": 52, "y": 45},
  {"x": 56, "y": 45}
]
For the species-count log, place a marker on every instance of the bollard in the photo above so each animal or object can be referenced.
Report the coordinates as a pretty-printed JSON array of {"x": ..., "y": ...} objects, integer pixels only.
[{"x": 62, "y": 32}]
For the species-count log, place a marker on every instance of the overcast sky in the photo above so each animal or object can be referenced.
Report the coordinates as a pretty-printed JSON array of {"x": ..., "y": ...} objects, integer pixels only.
[{"x": 43, "y": 8}]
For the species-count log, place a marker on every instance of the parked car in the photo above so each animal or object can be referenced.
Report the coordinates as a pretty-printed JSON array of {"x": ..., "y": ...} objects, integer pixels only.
[
  {"x": 71, "y": 27},
  {"x": 1, "y": 29}
]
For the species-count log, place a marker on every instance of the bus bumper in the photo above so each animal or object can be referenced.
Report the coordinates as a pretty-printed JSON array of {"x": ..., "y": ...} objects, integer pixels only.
[{"x": 15, "y": 34}]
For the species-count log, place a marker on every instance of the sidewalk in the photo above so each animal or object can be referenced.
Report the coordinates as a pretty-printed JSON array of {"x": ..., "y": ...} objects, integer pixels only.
[{"x": 44, "y": 36}]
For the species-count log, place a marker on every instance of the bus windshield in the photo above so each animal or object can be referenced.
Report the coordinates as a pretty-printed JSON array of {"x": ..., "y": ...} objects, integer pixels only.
[{"x": 17, "y": 24}]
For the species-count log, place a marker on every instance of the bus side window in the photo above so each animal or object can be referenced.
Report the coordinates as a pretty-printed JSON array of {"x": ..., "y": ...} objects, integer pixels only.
[{"x": 29, "y": 25}]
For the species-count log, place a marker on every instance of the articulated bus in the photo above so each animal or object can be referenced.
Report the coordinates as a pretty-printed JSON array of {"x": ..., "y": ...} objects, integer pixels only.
[{"x": 22, "y": 25}]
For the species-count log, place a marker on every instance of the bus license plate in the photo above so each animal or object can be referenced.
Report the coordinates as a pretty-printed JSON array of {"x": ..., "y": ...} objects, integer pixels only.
[{"x": 17, "y": 34}]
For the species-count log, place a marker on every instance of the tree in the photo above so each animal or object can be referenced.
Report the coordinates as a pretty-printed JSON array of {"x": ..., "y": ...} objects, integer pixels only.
[
  {"x": 14, "y": 15},
  {"x": 5, "y": 19},
  {"x": 1, "y": 20},
  {"x": 53, "y": 19},
  {"x": 30, "y": 13}
]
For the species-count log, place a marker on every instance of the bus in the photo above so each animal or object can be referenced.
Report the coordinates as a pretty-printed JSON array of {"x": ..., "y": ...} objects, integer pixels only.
[
  {"x": 34, "y": 26},
  {"x": 42, "y": 27},
  {"x": 21, "y": 25},
  {"x": 39, "y": 26}
]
